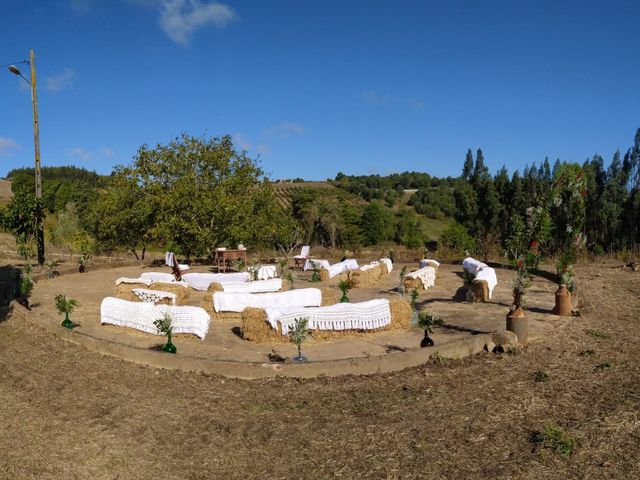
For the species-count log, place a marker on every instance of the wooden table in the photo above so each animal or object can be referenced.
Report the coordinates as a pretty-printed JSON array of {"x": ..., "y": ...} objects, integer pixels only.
[{"x": 225, "y": 257}]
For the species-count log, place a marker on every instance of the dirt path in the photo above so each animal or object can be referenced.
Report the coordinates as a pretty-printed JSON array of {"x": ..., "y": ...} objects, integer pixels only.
[{"x": 69, "y": 413}]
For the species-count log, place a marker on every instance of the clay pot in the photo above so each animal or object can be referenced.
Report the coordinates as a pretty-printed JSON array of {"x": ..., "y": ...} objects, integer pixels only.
[
  {"x": 517, "y": 323},
  {"x": 563, "y": 305}
]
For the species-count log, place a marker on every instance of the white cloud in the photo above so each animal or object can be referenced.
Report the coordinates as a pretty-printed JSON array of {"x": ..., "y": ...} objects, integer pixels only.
[
  {"x": 375, "y": 98},
  {"x": 283, "y": 130},
  {"x": 81, "y": 153},
  {"x": 61, "y": 81},
  {"x": 241, "y": 141},
  {"x": 6, "y": 145},
  {"x": 106, "y": 152},
  {"x": 180, "y": 19}
]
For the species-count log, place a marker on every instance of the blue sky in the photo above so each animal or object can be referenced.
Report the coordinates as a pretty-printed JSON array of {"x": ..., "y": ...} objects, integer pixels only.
[{"x": 315, "y": 88}]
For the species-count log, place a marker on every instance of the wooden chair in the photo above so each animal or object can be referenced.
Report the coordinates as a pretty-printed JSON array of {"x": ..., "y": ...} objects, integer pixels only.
[{"x": 302, "y": 258}]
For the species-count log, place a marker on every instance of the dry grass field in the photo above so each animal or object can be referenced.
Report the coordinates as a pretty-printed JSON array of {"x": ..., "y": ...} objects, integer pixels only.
[{"x": 69, "y": 413}]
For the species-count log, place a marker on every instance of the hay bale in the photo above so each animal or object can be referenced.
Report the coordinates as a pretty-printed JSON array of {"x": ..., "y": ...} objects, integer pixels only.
[
  {"x": 207, "y": 304},
  {"x": 124, "y": 291},
  {"x": 324, "y": 275},
  {"x": 411, "y": 283},
  {"x": 255, "y": 327},
  {"x": 182, "y": 293},
  {"x": 481, "y": 290},
  {"x": 330, "y": 296},
  {"x": 215, "y": 287},
  {"x": 367, "y": 278}
]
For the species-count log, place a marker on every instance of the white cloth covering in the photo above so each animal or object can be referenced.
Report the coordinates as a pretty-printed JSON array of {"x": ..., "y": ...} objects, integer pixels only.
[
  {"x": 259, "y": 286},
  {"x": 427, "y": 275},
  {"x": 342, "y": 316},
  {"x": 388, "y": 263},
  {"x": 488, "y": 274},
  {"x": 344, "y": 266},
  {"x": 237, "y": 302},
  {"x": 427, "y": 262},
  {"x": 308, "y": 265},
  {"x": 170, "y": 258},
  {"x": 153, "y": 296},
  {"x": 141, "y": 315},
  {"x": 265, "y": 272},
  {"x": 158, "y": 277},
  {"x": 369, "y": 266},
  {"x": 146, "y": 281},
  {"x": 472, "y": 265},
  {"x": 304, "y": 253},
  {"x": 201, "y": 281}
]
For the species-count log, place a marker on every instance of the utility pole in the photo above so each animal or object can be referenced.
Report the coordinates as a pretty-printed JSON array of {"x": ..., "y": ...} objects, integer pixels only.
[{"x": 36, "y": 142}]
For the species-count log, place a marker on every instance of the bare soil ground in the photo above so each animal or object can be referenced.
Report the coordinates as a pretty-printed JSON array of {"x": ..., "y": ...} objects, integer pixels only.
[{"x": 70, "y": 413}]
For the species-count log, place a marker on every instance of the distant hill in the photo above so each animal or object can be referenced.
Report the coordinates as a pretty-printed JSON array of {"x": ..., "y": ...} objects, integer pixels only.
[
  {"x": 5, "y": 192},
  {"x": 286, "y": 191}
]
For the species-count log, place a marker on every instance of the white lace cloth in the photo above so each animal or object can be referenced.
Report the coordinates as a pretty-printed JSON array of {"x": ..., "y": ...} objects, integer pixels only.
[
  {"x": 427, "y": 262},
  {"x": 344, "y": 266},
  {"x": 488, "y": 274},
  {"x": 141, "y": 315},
  {"x": 308, "y": 265},
  {"x": 146, "y": 281},
  {"x": 237, "y": 302},
  {"x": 201, "y": 281},
  {"x": 265, "y": 272},
  {"x": 259, "y": 286},
  {"x": 342, "y": 316},
  {"x": 388, "y": 263},
  {"x": 427, "y": 275},
  {"x": 472, "y": 265},
  {"x": 153, "y": 296}
]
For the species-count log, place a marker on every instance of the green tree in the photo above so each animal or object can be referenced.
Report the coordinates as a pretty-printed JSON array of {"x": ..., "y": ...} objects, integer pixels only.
[
  {"x": 375, "y": 224},
  {"x": 467, "y": 169}
]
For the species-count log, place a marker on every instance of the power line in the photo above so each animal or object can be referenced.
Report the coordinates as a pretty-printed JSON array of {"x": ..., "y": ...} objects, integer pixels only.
[{"x": 14, "y": 63}]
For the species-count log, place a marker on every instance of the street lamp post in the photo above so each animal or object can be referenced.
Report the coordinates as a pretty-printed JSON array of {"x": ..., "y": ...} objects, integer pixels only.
[{"x": 36, "y": 140}]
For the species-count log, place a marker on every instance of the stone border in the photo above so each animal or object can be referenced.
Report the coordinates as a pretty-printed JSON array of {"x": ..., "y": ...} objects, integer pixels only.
[{"x": 390, "y": 362}]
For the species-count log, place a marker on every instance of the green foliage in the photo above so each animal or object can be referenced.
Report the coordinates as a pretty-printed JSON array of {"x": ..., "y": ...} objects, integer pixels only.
[
  {"x": 375, "y": 224},
  {"x": 456, "y": 237},
  {"x": 555, "y": 438},
  {"x": 414, "y": 298},
  {"x": 65, "y": 305},
  {"x": 408, "y": 230},
  {"x": 164, "y": 324},
  {"x": 517, "y": 240},
  {"x": 468, "y": 278},
  {"x": 298, "y": 332},
  {"x": 428, "y": 319},
  {"x": 21, "y": 216},
  {"x": 290, "y": 277},
  {"x": 26, "y": 285},
  {"x": 541, "y": 376}
]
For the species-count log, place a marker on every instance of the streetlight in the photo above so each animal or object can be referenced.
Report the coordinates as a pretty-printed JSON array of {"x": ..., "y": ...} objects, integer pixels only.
[{"x": 36, "y": 139}]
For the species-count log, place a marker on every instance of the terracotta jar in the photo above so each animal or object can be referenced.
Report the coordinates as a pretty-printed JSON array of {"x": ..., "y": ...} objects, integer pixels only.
[
  {"x": 563, "y": 305},
  {"x": 517, "y": 323}
]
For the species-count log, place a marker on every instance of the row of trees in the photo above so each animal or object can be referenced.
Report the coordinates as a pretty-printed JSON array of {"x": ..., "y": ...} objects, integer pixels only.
[{"x": 195, "y": 194}]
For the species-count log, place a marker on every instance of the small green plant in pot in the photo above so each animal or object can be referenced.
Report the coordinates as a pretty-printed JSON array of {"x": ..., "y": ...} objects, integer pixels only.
[
  {"x": 65, "y": 306},
  {"x": 344, "y": 286},
  {"x": 298, "y": 333},
  {"x": 426, "y": 320},
  {"x": 253, "y": 272},
  {"x": 164, "y": 326},
  {"x": 401, "y": 288},
  {"x": 290, "y": 277},
  {"x": 25, "y": 286},
  {"x": 282, "y": 265},
  {"x": 414, "y": 299},
  {"x": 315, "y": 276}
]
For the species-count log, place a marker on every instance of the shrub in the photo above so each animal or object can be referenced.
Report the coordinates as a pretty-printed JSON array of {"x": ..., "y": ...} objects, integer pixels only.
[{"x": 456, "y": 237}]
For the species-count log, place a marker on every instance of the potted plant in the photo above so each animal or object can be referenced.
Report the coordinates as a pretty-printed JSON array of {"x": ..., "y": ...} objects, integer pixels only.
[
  {"x": 516, "y": 319},
  {"x": 344, "y": 286},
  {"x": 468, "y": 279},
  {"x": 253, "y": 272},
  {"x": 298, "y": 333},
  {"x": 315, "y": 276},
  {"x": 51, "y": 265},
  {"x": 164, "y": 326},
  {"x": 282, "y": 264},
  {"x": 25, "y": 286},
  {"x": 65, "y": 306},
  {"x": 414, "y": 310},
  {"x": 403, "y": 273},
  {"x": 426, "y": 320},
  {"x": 290, "y": 277},
  {"x": 564, "y": 269}
]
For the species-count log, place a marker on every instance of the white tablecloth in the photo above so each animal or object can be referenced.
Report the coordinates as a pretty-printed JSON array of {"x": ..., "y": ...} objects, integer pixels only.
[
  {"x": 237, "y": 302},
  {"x": 265, "y": 272}
]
